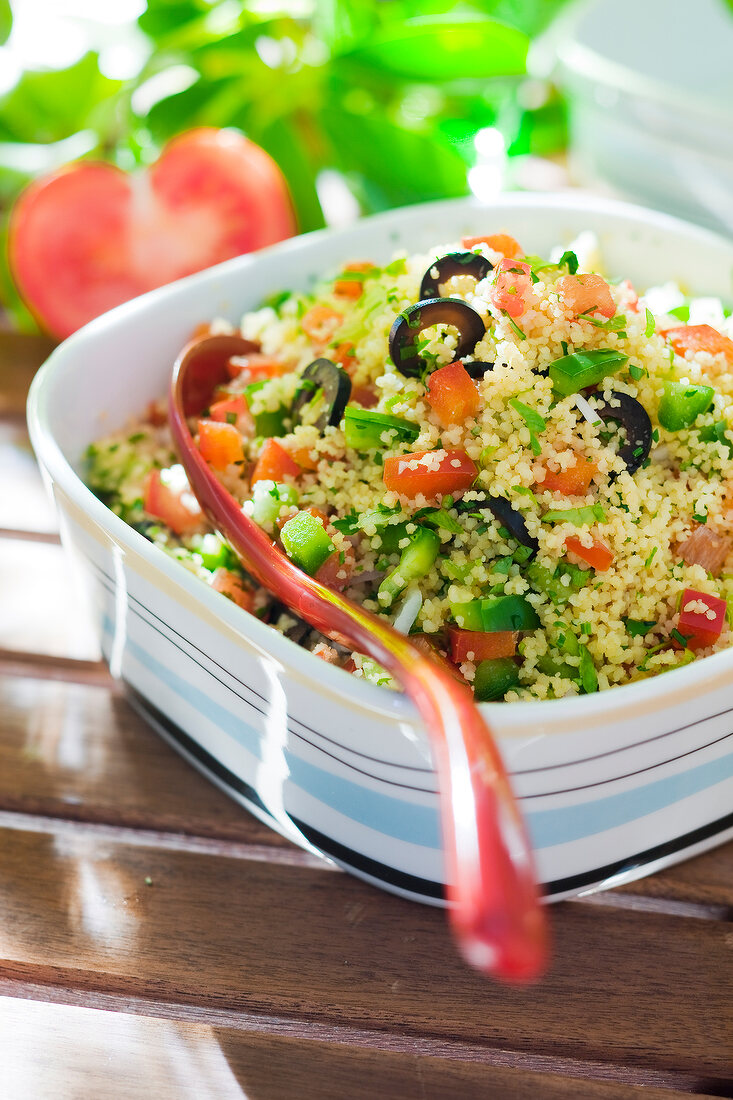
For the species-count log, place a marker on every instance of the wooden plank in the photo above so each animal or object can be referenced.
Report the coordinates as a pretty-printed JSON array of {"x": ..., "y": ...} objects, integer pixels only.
[
  {"x": 138, "y": 780},
  {"x": 42, "y": 602},
  {"x": 24, "y": 503},
  {"x": 632, "y": 989},
  {"x": 20, "y": 357},
  {"x": 61, "y": 1053},
  {"x": 78, "y": 751}
]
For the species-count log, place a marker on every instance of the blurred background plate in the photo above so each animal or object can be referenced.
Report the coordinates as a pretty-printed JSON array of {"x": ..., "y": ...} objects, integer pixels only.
[{"x": 650, "y": 100}]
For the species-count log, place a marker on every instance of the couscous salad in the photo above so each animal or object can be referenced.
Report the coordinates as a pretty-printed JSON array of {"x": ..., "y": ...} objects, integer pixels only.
[{"x": 521, "y": 463}]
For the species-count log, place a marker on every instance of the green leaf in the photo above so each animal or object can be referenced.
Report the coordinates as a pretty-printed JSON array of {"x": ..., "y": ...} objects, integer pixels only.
[
  {"x": 6, "y": 20},
  {"x": 50, "y": 106},
  {"x": 450, "y": 47}
]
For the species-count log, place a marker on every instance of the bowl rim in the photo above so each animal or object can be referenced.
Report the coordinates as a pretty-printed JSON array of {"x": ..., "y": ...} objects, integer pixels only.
[{"x": 603, "y": 708}]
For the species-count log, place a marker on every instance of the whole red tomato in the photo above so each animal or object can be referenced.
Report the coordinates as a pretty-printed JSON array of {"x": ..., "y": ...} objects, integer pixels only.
[{"x": 90, "y": 236}]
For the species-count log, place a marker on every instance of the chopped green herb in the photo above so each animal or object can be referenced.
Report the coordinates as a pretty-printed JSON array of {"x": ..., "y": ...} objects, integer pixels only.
[
  {"x": 650, "y": 559},
  {"x": 590, "y": 513},
  {"x": 681, "y": 638},
  {"x": 569, "y": 260},
  {"x": 639, "y": 628},
  {"x": 531, "y": 417},
  {"x": 514, "y": 326},
  {"x": 651, "y": 324},
  {"x": 612, "y": 324},
  {"x": 637, "y": 373}
]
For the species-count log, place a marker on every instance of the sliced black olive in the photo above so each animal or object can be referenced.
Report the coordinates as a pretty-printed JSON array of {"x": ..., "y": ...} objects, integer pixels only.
[
  {"x": 335, "y": 384},
  {"x": 405, "y": 331},
  {"x": 507, "y": 516},
  {"x": 455, "y": 263},
  {"x": 476, "y": 369},
  {"x": 634, "y": 418}
]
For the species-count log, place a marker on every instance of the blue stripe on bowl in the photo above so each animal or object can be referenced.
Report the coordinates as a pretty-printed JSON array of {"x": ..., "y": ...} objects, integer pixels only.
[{"x": 400, "y": 820}]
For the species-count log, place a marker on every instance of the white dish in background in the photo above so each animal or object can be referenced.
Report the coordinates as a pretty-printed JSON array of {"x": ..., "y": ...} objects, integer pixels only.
[
  {"x": 613, "y": 785},
  {"x": 650, "y": 99}
]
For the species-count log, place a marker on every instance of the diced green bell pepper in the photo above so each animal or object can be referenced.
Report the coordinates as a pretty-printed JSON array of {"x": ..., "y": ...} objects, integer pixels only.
[
  {"x": 306, "y": 542},
  {"x": 499, "y": 613},
  {"x": 682, "y": 403},
  {"x": 494, "y": 679},
  {"x": 417, "y": 559},
  {"x": 716, "y": 433},
  {"x": 363, "y": 429},
  {"x": 574, "y": 372},
  {"x": 270, "y": 422}
]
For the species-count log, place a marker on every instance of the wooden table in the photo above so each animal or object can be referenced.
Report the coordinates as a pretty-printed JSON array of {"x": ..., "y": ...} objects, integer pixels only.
[{"x": 158, "y": 942}]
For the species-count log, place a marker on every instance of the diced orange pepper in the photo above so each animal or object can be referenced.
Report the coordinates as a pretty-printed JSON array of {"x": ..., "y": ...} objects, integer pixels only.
[
  {"x": 256, "y": 367},
  {"x": 274, "y": 464},
  {"x": 231, "y": 585},
  {"x": 232, "y": 410},
  {"x": 586, "y": 294},
  {"x": 351, "y": 288},
  {"x": 700, "y": 338},
  {"x": 573, "y": 481},
  {"x": 452, "y": 394},
  {"x": 499, "y": 242},
  {"x": 431, "y": 474},
  {"x": 343, "y": 354},
  {"x": 599, "y": 556},
  {"x": 321, "y": 322},
  {"x": 220, "y": 443}
]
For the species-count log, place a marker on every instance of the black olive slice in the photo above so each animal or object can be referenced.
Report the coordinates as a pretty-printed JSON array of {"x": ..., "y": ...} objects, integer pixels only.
[
  {"x": 335, "y": 383},
  {"x": 634, "y": 418},
  {"x": 455, "y": 263},
  {"x": 507, "y": 516},
  {"x": 405, "y": 331},
  {"x": 476, "y": 369}
]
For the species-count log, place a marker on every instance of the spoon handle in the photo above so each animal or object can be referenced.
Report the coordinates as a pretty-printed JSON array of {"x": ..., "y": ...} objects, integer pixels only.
[{"x": 494, "y": 908}]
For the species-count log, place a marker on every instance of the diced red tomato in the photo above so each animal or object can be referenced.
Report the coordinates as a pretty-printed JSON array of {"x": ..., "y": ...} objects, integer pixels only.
[
  {"x": 484, "y": 646},
  {"x": 701, "y": 619},
  {"x": 700, "y": 338},
  {"x": 256, "y": 367},
  {"x": 574, "y": 481},
  {"x": 211, "y": 195},
  {"x": 431, "y": 474},
  {"x": 351, "y": 288},
  {"x": 219, "y": 443},
  {"x": 337, "y": 570},
  {"x": 512, "y": 287},
  {"x": 274, "y": 464},
  {"x": 452, "y": 394},
  {"x": 586, "y": 294},
  {"x": 232, "y": 410},
  {"x": 633, "y": 297},
  {"x": 707, "y": 548},
  {"x": 499, "y": 242},
  {"x": 364, "y": 396},
  {"x": 598, "y": 556},
  {"x": 426, "y": 643},
  {"x": 232, "y": 585},
  {"x": 320, "y": 323},
  {"x": 178, "y": 510}
]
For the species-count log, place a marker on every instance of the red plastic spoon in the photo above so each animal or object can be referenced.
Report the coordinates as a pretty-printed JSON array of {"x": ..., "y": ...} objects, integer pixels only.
[{"x": 495, "y": 911}]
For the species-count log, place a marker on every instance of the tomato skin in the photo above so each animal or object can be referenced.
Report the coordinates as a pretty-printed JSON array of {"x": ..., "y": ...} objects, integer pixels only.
[
  {"x": 167, "y": 505},
  {"x": 220, "y": 443},
  {"x": 231, "y": 585},
  {"x": 512, "y": 287},
  {"x": 320, "y": 323},
  {"x": 700, "y": 338},
  {"x": 586, "y": 293},
  {"x": 427, "y": 643},
  {"x": 452, "y": 394},
  {"x": 499, "y": 242},
  {"x": 212, "y": 194},
  {"x": 484, "y": 645},
  {"x": 274, "y": 464},
  {"x": 573, "y": 481},
  {"x": 599, "y": 556},
  {"x": 433, "y": 480},
  {"x": 695, "y": 626}
]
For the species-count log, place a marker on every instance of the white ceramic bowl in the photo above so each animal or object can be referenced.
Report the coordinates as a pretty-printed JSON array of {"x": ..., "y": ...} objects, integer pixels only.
[{"x": 612, "y": 785}]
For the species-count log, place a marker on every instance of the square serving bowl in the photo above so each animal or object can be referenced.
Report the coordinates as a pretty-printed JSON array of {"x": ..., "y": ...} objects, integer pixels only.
[{"x": 613, "y": 785}]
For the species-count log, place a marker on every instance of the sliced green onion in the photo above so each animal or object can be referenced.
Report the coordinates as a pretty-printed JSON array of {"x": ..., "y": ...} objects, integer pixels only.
[
  {"x": 588, "y": 674},
  {"x": 306, "y": 542},
  {"x": 363, "y": 429},
  {"x": 590, "y": 513},
  {"x": 531, "y": 417},
  {"x": 682, "y": 403},
  {"x": 439, "y": 517},
  {"x": 501, "y": 613},
  {"x": 639, "y": 628},
  {"x": 494, "y": 679},
  {"x": 574, "y": 372},
  {"x": 417, "y": 559}
]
